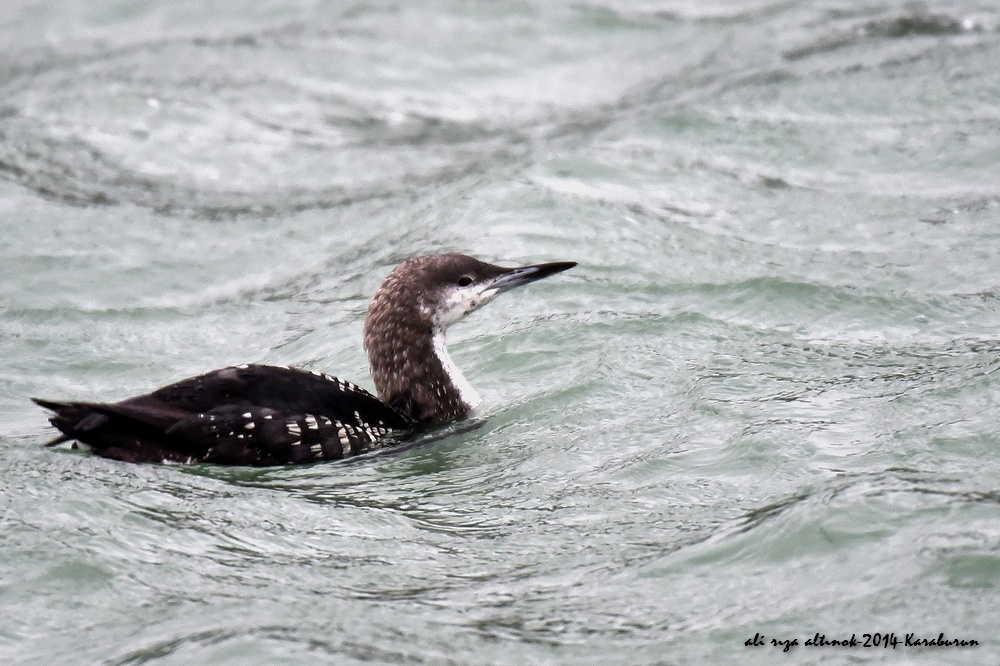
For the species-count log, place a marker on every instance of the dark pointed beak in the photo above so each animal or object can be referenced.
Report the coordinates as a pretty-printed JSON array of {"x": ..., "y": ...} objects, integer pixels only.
[{"x": 522, "y": 275}]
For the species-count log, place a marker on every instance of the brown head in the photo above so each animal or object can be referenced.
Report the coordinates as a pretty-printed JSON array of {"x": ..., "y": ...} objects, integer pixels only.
[{"x": 406, "y": 324}]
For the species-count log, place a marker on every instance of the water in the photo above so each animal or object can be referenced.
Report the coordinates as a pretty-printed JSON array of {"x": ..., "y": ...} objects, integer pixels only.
[{"x": 764, "y": 403}]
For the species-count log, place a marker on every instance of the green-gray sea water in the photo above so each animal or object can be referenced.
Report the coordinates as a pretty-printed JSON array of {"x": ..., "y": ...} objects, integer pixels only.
[{"x": 765, "y": 404}]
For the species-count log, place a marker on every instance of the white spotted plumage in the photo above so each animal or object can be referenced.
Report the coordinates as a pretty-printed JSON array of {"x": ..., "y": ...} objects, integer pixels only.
[{"x": 414, "y": 376}]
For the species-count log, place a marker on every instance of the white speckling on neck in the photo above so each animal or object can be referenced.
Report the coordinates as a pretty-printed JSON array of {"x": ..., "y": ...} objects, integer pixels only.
[{"x": 465, "y": 390}]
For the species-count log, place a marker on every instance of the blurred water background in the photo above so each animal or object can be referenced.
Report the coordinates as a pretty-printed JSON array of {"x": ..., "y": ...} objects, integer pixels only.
[{"x": 764, "y": 403}]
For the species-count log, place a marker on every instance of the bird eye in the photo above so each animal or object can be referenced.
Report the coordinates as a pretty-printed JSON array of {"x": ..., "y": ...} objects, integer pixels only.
[{"x": 464, "y": 281}]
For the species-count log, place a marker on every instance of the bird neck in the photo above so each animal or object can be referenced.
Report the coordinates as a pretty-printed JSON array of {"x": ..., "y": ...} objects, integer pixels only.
[{"x": 414, "y": 373}]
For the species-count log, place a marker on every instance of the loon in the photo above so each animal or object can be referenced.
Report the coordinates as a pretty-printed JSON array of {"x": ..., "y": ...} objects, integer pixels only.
[{"x": 263, "y": 415}]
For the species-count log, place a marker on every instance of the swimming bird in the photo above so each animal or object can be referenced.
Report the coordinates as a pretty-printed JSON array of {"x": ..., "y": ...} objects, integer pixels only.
[{"x": 268, "y": 415}]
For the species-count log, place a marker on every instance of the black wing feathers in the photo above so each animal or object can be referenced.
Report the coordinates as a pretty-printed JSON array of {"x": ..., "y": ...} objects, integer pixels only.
[{"x": 242, "y": 415}]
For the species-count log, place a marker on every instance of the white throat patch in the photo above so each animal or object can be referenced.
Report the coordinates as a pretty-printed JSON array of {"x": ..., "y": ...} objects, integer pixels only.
[
  {"x": 465, "y": 390},
  {"x": 459, "y": 302}
]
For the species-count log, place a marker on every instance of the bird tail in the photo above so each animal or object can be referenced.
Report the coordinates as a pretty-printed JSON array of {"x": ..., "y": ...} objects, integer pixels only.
[{"x": 71, "y": 418}]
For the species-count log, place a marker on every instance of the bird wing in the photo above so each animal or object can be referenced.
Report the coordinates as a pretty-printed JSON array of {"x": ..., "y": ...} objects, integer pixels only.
[{"x": 244, "y": 415}]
